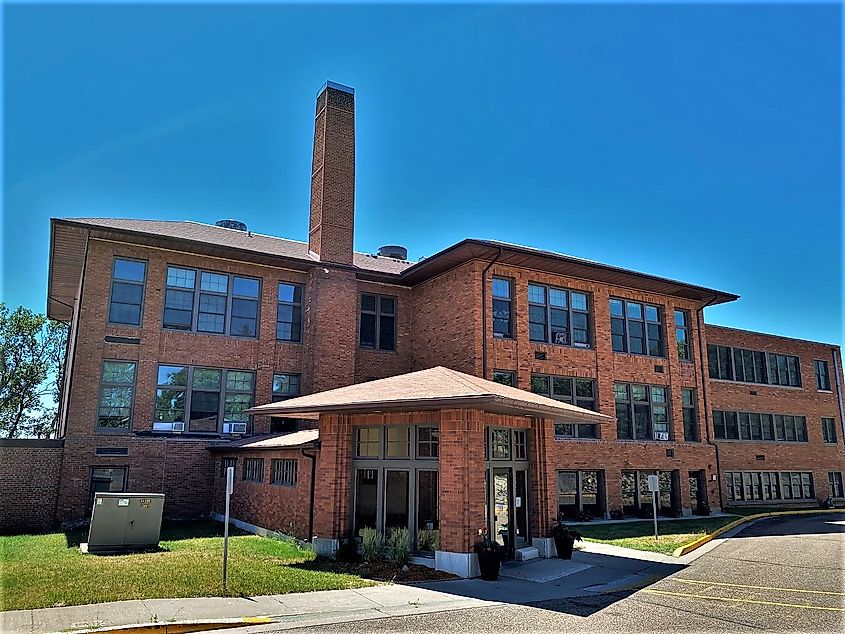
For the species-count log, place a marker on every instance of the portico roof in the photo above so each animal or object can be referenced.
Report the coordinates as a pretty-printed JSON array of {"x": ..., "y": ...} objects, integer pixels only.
[{"x": 432, "y": 389}]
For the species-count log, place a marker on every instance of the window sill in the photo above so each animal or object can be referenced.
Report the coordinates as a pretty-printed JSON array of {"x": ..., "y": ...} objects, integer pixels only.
[
  {"x": 642, "y": 356},
  {"x": 799, "y": 443},
  {"x": 287, "y": 341},
  {"x": 757, "y": 385},
  {"x": 824, "y": 391},
  {"x": 377, "y": 350},
  {"x": 112, "y": 324},
  {"x": 568, "y": 346},
  {"x": 209, "y": 334}
]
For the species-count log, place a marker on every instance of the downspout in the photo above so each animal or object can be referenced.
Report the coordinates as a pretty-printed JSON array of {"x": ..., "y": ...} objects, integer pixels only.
[
  {"x": 484, "y": 314},
  {"x": 838, "y": 390},
  {"x": 704, "y": 382},
  {"x": 313, "y": 459}
]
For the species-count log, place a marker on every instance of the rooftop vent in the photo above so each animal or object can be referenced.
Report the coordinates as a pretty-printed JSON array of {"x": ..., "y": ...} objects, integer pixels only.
[
  {"x": 393, "y": 251},
  {"x": 232, "y": 224}
]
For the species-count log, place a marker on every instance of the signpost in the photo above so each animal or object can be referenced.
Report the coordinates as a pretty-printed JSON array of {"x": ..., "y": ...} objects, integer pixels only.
[
  {"x": 230, "y": 481},
  {"x": 654, "y": 487}
]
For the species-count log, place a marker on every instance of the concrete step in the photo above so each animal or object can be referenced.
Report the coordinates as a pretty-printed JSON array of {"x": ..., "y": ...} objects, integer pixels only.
[{"x": 528, "y": 553}]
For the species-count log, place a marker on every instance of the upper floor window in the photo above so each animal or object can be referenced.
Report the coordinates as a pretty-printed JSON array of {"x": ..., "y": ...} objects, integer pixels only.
[
  {"x": 117, "y": 392},
  {"x": 223, "y": 304},
  {"x": 754, "y": 426},
  {"x": 579, "y": 392},
  {"x": 822, "y": 376},
  {"x": 642, "y": 411},
  {"x": 829, "y": 430},
  {"x": 690, "y": 415},
  {"x": 636, "y": 328},
  {"x": 378, "y": 322},
  {"x": 207, "y": 400},
  {"x": 285, "y": 385},
  {"x": 289, "y": 313},
  {"x": 505, "y": 377},
  {"x": 502, "y": 308},
  {"x": 127, "y": 292},
  {"x": 753, "y": 366},
  {"x": 557, "y": 315},
  {"x": 682, "y": 335},
  {"x": 784, "y": 369}
]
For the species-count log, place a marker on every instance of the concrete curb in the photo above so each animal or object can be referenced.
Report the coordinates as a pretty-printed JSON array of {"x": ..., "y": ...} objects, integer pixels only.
[
  {"x": 680, "y": 551},
  {"x": 180, "y": 627}
]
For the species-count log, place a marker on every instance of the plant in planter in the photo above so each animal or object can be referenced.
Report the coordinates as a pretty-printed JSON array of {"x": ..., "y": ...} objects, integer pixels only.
[
  {"x": 565, "y": 539},
  {"x": 490, "y": 554}
]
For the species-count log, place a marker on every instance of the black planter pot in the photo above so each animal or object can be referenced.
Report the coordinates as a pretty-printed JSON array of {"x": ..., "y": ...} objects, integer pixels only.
[
  {"x": 564, "y": 545},
  {"x": 488, "y": 564}
]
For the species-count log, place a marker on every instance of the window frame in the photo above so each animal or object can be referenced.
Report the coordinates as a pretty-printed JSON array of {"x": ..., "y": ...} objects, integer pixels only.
[
  {"x": 93, "y": 468},
  {"x": 501, "y": 374},
  {"x": 778, "y": 428},
  {"x": 142, "y": 284},
  {"x": 771, "y": 366},
  {"x": 829, "y": 430},
  {"x": 645, "y": 321},
  {"x": 253, "y": 470},
  {"x": 377, "y": 314},
  {"x": 570, "y": 311},
  {"x": 572, "y": 399},
  {"x": 691, "y": 407},
  {"x": 686, "y": 327},
  {"x": 835, "y": 484},
  {"x": 226, "y": 462},
  {"x": 284, "y": 472},
  {"x": 630, "y": 402},
  {"x": 821, "y": 369},
  {"x": 509, "y": 300},
  {"x": 230, "y": 296},
  {"x": 283, "y": 396},
  {"x": 106, "y": 384},
  {"x": 294, "y": 307}
]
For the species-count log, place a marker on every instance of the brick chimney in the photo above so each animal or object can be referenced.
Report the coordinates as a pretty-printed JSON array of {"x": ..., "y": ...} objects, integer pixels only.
[{"x": 333, "y": 175}]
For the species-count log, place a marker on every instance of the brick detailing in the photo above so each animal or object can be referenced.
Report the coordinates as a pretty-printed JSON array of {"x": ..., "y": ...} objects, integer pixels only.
[
  {"x": 29, "y": 481},
  {"x": 334, "y": 468}
]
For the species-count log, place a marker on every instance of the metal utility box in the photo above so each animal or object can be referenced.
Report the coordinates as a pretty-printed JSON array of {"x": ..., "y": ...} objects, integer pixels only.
[{"x": 125, "y": 521}]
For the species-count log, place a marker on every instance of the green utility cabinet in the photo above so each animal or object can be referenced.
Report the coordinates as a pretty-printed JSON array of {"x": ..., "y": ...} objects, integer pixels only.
[{"x": 125, "y": 521}]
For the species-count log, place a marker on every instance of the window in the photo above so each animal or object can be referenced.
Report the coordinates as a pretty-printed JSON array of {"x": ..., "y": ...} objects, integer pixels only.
[
  {"x": 682, "y": 335},
  {"x": 557, "y": 315},
  {"x": 642, "y": 412},
  {"x": 822, "y": 376},
  {"x": 690, "y": 415},
  {"x": 505, "y": 377},
  {"x": 428, "y": 442},
  {"x": 226, "y": 463},
  {"x": 502, "y": 308},
  {"x": 127, "y": 292},
  {"x": 117, "y": 391},
  {"x": 719, "y": 360},
  {"x": 106, "y": 479},
  {"x": 500, "y": 444},
  {"x": 755, "y": 426},
  {"x": 580, "y": 492},
  {"x": 520, "y": 446},
  {"x": 834, "y": 482},
  {"x": 368, "y": 445},
  {"x": 637, "y": 499},
  {"x": 636, "y": 328},
  {"x": 289, "y": 313},
  {"x": 285, "y": 386},
  {"x": 784, "y": 370},
  {"x": 579, "y": 392},
  {"x": 253, "y": 469},
  {"x": 749, "y": 366},
  {"x": 378, "y": 322},
  {"x": 210, "y": 397},
  {"x": 829, "y": 430},
  {"x": 283, "y": 472},
  {"x": 397, "y": 441},
  {"x": 753, "y": 366},
  {"x": 223, "y": 304}
]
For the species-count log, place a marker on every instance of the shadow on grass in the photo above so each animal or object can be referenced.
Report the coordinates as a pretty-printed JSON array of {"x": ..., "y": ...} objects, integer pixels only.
[{"x": 376, "y": 571}]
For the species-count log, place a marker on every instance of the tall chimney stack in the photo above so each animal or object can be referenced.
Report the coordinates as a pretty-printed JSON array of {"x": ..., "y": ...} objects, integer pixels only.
[{"x": 333, "y": 175}]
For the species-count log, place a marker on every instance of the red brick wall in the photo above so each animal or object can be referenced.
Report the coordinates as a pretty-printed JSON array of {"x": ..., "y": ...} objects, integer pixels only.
[{"x": 29, "y": 478}]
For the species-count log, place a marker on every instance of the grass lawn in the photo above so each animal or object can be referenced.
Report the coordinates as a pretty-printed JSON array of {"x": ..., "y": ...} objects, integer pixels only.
[
  {"x": 39, "y": 571},
  {"x": 640, "y": 535}
]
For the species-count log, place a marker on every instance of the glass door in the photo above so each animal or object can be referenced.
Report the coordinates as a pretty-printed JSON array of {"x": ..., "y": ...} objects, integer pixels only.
[
  {"x": 520, "y": 510},
  {"x": 502, "y": 509},
  {"x": 396, "y": 499}
]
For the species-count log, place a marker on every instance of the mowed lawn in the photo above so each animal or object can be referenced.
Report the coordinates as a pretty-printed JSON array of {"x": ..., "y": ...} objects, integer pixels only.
[
  {"x": 39, "y": 571},
  {"x": 640, "y": 535}
]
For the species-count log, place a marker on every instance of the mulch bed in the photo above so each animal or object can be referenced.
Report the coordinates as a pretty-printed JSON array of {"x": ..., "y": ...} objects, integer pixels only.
[{"x": 383, "y": 571}]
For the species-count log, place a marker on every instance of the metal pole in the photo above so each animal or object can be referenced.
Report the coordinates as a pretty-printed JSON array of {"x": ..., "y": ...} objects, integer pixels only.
[
  {"x": 654, "y": 505},
  {"x": 230, "y": 479}
]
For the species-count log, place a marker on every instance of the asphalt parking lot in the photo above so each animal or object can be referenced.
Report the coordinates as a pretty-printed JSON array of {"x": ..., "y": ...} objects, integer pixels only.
[{"x": 783, "y": 574}]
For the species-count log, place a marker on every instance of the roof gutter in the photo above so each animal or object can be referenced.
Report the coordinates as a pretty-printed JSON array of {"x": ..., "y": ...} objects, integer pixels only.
[
  {"x": 313, "y": 459},
  {"x": 484, "y": 313}
]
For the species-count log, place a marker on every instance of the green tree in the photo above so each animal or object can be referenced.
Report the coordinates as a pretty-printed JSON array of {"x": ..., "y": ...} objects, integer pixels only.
[{"x": 32, "y": 351}]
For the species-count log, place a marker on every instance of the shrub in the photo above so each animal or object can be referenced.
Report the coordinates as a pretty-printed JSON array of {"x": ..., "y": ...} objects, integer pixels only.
[
  {"x": 372, "y": 544},
  {"x": 399, "y": 545},
  {"x": 428, "y": 539}
]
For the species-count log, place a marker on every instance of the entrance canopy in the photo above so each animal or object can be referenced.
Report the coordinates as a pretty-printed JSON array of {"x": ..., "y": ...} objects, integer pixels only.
[{"x": 432, "y": 389}]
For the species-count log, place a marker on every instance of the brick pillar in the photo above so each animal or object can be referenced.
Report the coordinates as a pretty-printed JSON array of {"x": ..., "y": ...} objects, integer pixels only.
[
  {"x": 461, "y": 478},
  {"x": 543, "y": 476},
  {"x": 334, "y": 468}
]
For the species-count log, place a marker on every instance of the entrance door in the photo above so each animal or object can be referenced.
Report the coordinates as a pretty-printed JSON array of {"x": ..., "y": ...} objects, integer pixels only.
[
  {"x": 502, "y": 510},
  {"x": 520, "y": 509}
]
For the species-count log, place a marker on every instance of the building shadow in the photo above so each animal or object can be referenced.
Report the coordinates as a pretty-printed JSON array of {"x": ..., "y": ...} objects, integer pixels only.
[{"x": 821, "y": 523}]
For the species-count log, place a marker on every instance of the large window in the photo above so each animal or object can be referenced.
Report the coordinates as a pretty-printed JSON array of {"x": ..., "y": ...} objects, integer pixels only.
[
  {"x": 642, "y": 412},
  {"x": 829, "y": 430},
  {"x": 822, "y": 375},
  {"x": 753, "y": 366},
  {"x": 117, "y": 391},
  {"x": 751, "y": 486},
  {"x": 636, "y": 328},
  {"x": 397, "y": 442},
  {"x": 223, "y": 304},
  {"x": 580, "y": 493},
  {"x": 285, "y": 385},
  {"x": 127, "y": 292},
  {"x": 682, "y": 335},
  {"x": 283, "y": 472},
  {"x": 580, "y": 392},
  {"x": 688, "y": 405},
  {"x": 502, "y": 308},
  {"x": 638, "y": 500},
  {"x": 557, "y": 315},
  {"x": 106, "y": 479},
  {"x": 834, "y": 482},
  {"x": 289, "y": 313},
  {"x": 505, "y": 377},
  {"x": 755, "y": 426},
  {"x": 206, "y": 400},
  {"x": 378, "y": 322}
]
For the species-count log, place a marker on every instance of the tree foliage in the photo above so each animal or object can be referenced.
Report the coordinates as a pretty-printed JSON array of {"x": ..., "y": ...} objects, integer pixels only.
[{"x": 31, "y": 372}]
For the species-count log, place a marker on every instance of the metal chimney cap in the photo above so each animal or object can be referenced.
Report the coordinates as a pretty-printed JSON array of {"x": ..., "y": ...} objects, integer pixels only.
[
  {"x": 394, "y": 251},
  {"x": 237, "y": 225},
  {"x": 336, "y": 86}
]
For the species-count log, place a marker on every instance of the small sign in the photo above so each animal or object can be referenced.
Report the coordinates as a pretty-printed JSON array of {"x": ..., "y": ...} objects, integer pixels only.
[
  {"x": 123, "y": 502},
  {"x": 518, "y": 502},
  {"x": 661, "y": 435},
  {"x": 145, "y": 503},
  {"x": 99, "y": 501},
  {"x": 653, "y": 484}
]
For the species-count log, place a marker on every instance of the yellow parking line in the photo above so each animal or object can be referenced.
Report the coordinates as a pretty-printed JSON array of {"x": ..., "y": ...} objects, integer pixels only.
[
  {"x": 739, "y": 585},
  {"x": 783, "y": 605}
]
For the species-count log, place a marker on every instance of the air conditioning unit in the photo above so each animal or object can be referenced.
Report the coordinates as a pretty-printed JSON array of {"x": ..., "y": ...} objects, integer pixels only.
[
  {"x": 174, "y": 427},
  {"x": 234, "y": 428},
  {"x": 178, "y": 426}
]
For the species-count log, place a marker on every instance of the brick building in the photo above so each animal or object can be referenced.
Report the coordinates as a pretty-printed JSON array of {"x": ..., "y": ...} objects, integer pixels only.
[{"x": 179, "y": 327}]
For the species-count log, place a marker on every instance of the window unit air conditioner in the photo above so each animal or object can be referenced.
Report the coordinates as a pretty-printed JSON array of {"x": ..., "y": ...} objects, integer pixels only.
[
  {"x": 234, "y": 428},
  {"x": 172, "y": 427},
  {"x": 178, "y": 426}
]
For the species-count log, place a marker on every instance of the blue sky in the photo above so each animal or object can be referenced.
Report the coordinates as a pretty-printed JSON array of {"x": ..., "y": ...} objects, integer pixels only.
[{"x": 695, "y": 142}]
